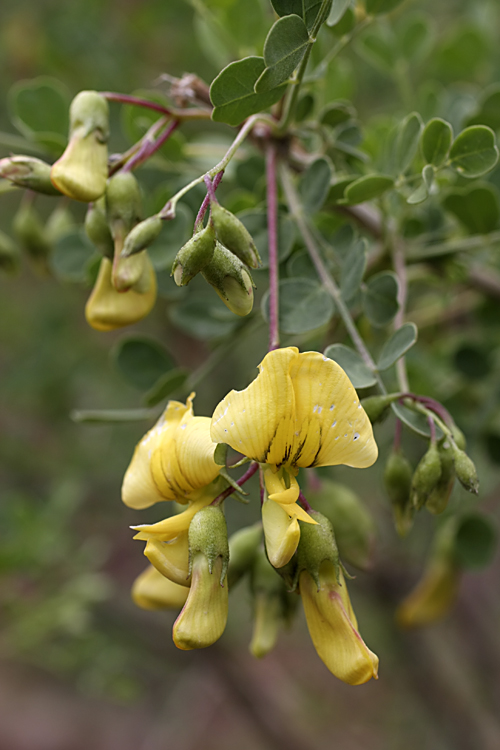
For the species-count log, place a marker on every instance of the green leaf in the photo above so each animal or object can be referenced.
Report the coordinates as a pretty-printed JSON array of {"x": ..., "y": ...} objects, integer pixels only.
[
  {"x": 474, "y": 151},
  {"x": 256, "y": 223},
  {"x": 477, "y": 208},
  {"x": 233, "y": 91},
  {"x": 39, "y": 108},
  {"x": 337, "y": 190},
  {"x": 436, "y": 141},
  {"x": 397, "y": 345},
  {"x": 315, "y": 184},
  {"x": 305, "y": 106},
  {"x": 306, "y": 9},
  {"x": 166, "y": 385},
  {"x": 71, "y": 255},
  {"x": 337, "y": 10},
  {"x": 220, "y": 454},
  {"x": 381, "y": 6},
  {"x": 284, "y": 48},
  {"x": 337, "y": 113},
  {"x": 304, "y": 305},
  {"x": 415, "y": 421},
  {"x": 203, "y": 316},
  {"x": 353, "y": 270},
  {"x": 419, "y": 195},
  {"x": 489, "y": 110},
  {"x": 415, "y": 38},
  {"x": 475, "y": 541},
  {"x": 350, "y": 361},
  {"x": 300, "y": 266},
  {"x": 367, "y": 188},
  {"x": 380, "y": 298},
  {"x": 407, "y": 141},
  {"x": 142, "y": 360}
]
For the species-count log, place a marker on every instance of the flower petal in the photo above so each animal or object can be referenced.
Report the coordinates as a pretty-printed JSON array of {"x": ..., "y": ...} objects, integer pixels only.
[
  {"x": 258, "y": 421},
  {"x": 171, "y": 527},
  {"x": 171, "y": 559},
  {"x": 330, "y": 427},
  {"x": 281, "y": 532},
  {"x": 151, "y": 590},
  {"x": 432, "y": 597},
  {"x": 332, "y": 631}
]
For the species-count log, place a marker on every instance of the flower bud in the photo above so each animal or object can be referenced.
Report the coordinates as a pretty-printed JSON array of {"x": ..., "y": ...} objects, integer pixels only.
[
  {"x": 9, "y": 255},
  {"x": 208, "y": 535},
  {"x": 231, "y": 280},
  {"x": 128, "y": 271},
  {"x": 269, "y": 605},
  {"x": 142, "y": 236},
  {"x": 243, "y": 545},
  {"x": 97, "y": 229},
  {"x": 151, "y": 590},
  {"x": 426, "y": 476},
  {"x": 353, "y": 524},
  {"x": 465, "y": 470},
  {"x": 195, "y": 255},
  {"x": 107, "y": 309},
  {"x": 29, "y": 230},
  {"x": 397, "y": 480},
  {"x": 28, "y": 172},
  {"x": 170, "y": 558},
  {"x": 59, "y": 223},
  {"x": 123, "y": 210},
  {"x": 377, "y": 407},
  {"x": 82, "y": 170},
  {"x": 317, "y": 544},
  {"x": 438, "y": 499},
  {"x": 234, "y": 235}
]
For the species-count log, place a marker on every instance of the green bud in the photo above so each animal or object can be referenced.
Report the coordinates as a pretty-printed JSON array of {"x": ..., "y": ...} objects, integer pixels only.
[
  {"x": 353, "y": 524},
  {"x": 438, "y": 499},
  {"x": 123, "y": 205},
  {"x": 377, "y": 407},
  {"x": 243, "y": 547},
  {"x": 465, "y": 470},
  {"x": 234, "y": 235},
  {"x": 208, "y": 535},
  {"x": 59, "y": 223},
  {"x": 458, "y": 436},
  {"x": 317, "y": 544},
  {"x": 127, "y": 272},
  {"x": 9, "y": 255},
  {"x": 142, "y": 236},
  {"x": 397, "y": 480},
  {"x": 97, "y": 229},
  {"x": 29, "y": 230},
  {"x": 195, "y": 255},
  {"x": 89, "y": 111},
  {"x": 269, "y": 605},
  {"x": 28, "y": 172},
  {"x": 426, "y": 476},
  {"x": 231, "y": 280}
]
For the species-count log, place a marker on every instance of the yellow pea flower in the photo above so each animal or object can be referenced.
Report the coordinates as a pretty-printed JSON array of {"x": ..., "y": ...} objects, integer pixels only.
[
  {"x": 432, "y": 597},
  {"x": 108, "y": 309},
  {"x": 151, "y": 590},
  {"x": 300, "y": 411},
  {"x": 172, "y": 461},
  {"x": 333, "y": 627}
]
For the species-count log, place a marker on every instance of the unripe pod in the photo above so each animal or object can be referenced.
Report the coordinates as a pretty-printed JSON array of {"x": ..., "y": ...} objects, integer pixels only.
[
  {"x": 97, "y": 229},
  {"x": 234, "y": 235},
  {"x": 438, "y": 499},
  {"x": 194, "y": 256},
  {"x": 231, "y": 280},
  {"x": 465, "y": 470},
  {"x": 426, "y": 476},
  {"x": 377, "y": 407},
  {"x": 397, "y": 480},
  {"x": 123, "y": 211},
  {"x": 142, "y": 236},
  {"x": 269, "y": 594},
  {"x": 28, "y": 172}
]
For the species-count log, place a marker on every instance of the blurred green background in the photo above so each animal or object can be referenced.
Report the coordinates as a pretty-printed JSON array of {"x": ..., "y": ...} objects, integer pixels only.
[{"x": 81, "y": 666}]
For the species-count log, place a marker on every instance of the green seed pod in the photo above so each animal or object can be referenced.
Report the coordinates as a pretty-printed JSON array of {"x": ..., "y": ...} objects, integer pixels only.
[
  {"x": 243, "y": 547},
  {"x": 234, "y": 235},
  {"x": 270, "y": 603},
  {"x": 231, "y": 280},
  {"x": 426, "y": 476},
  {"x": 29, "y": 230},
  {"x": 123, "y": 205},
  {"x": 465, "y": 470},
  {"x": 195, "y": 255},
  {"x": 353, "y": 524},
  {"x": 9, "y": 255},
  {"x": 59, "y": 223},
  {"x": 377, "y": 407},
  {"x": 142, "y": 236},
  {"x": 97, "y": 229},
  {"x": 438, "y": 499},
  {"x": 397, "y": 480},
  {"x": 28, "y": 172},
  {"x": 208, "y": 535},
  {"x": 458, "y": 437},
  {"x": 317, "y": 544}
]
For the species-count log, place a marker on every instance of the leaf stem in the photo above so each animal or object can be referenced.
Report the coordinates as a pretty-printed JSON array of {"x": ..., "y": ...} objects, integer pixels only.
[
  {"x": 149, "y": 147},
  {"x": 177, "y": 114},
  {"x": 254, "y": 467},
  {"x": 272, "y": 230}
]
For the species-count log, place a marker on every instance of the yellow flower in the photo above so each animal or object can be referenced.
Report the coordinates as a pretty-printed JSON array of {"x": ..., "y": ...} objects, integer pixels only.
[
  {"x": 333, "y": 627},
  {"x": 432, "y": 597},
  {"x": 107, "y": 309},
  {"x": 300, "y": 411},
  {"x": 172, "y": 461},
  {"x": 151, "y": 590}
]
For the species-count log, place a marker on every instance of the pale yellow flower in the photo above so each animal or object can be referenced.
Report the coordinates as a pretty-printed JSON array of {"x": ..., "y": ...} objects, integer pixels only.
[
  {"x": 432, "y": 597},
  {"x": 151, "y": 590}
]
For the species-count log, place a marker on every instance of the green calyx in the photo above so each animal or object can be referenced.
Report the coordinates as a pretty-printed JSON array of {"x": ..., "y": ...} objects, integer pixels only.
[
  {"x": 28, "y": 172},
  {"x": 208, "y": 535},
  {"x": 194, "y": 256},
  {"x": 231, "y": 280},
  {"x": 426, "y": 476},
  {"x": 234, "y": 235},
  {"x": 123, "y": 204},
  {"x": 317, "y": 544},
  {"x": 89, "y": 112},
  {"x": 397, "y": 481}
]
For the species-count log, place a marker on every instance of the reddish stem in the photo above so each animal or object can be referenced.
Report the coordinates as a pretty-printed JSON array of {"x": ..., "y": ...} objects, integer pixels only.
[
  {"x": 397, "y": 435},
  {"x": 148, "y": 148},
  {"x": 304, "y": 503},
  {"x": 254, "y": 466},
  {"x": 432, "y": 429},
  {"x": 206, "y": 201},
  {"x": 111, "y": 96},
  {"x": 272, "y": 230}
]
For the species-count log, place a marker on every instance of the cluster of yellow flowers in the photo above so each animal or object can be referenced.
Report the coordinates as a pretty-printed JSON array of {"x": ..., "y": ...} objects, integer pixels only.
[{"x": 301, "y": 411}]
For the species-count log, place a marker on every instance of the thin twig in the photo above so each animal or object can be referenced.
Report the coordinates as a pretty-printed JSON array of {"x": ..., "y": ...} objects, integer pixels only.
[
  {"x": 254, "y": 466},
  {"x": 177, "y": 114},
  {"x": 272, "y": 232}
]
